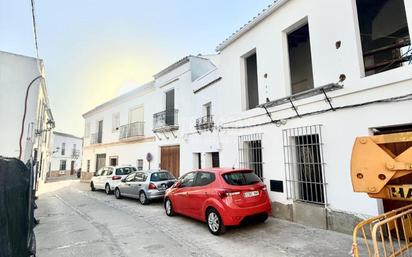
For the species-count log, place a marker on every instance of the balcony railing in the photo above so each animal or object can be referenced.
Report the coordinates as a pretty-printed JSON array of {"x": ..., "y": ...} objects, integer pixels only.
[
  {"x": 95, "y": 139},
  {"x": 166, "y": 120},
  {"x": 75, "y": 154},
  {"x": 135, "y": 129},
  {"x": 205, "y": 122}
]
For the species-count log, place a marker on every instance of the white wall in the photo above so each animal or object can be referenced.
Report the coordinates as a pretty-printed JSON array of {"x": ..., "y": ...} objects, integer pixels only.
[
  {"x": 268, "y": 39},
  {"x": 57, "y": 156},
  {"x": 16, "y": 72}
]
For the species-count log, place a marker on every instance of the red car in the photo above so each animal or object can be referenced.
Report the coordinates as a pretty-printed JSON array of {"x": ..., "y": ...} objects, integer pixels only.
[{"x": 220, "y": 197}]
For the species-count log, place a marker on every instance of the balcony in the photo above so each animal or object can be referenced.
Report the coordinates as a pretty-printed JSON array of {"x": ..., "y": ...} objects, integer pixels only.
[
  {"x": 75, "y": 154},
  {"x": 165, "y": 121},
  {"x": 205, "y": 123},
  {"x": 95, "y": 138},
  {"x": 132, "y": 130}
]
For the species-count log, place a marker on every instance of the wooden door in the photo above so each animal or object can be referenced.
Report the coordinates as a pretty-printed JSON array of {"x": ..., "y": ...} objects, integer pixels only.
[
  {"x": 170, "y": 159},
  {"x": 71, "y": 167}
]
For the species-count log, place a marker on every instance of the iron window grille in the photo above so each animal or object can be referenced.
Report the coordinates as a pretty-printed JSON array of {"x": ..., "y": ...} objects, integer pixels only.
[
  {"x": 62, "y": 165},
  {"x": 304, "y": 164},
  {"x": 140, "y": 164},
  {"x": 250, "y": 153}
]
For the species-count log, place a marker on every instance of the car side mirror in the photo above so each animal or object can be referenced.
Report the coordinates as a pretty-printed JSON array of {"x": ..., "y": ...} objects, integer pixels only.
[
  {"x": 123, "y": 180},
  {"x": 95, "y": 174},
  {"x": 177, "y": 184}
]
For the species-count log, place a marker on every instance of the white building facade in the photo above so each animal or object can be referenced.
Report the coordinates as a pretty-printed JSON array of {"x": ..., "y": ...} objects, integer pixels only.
[
  {"x": 21, "y": 75},
  {"x": 287, "y": 95},
  {"x": 66, "y": 154}
]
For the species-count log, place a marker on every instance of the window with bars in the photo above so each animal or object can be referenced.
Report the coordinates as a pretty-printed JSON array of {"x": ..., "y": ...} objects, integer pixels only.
[
  {"x": 250, "y": 153},
  {"x": 304, "y": 166},
  {"x": 62, "y": 165},
  {"x": 140, "y": 164}
]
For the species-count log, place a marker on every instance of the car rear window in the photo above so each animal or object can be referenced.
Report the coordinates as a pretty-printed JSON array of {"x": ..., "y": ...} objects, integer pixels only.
[
  {"x": 161, "y": 176},
  {"x": 125, "y": 171},
  {"x": 241, "y": 178}
]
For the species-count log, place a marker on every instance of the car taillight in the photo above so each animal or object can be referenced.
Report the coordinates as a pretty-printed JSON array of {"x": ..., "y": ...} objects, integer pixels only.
[
  {"x": 116, "y": 177},
  {"x": 152, "y": 186},
  {"x": 227, "y": 193}
]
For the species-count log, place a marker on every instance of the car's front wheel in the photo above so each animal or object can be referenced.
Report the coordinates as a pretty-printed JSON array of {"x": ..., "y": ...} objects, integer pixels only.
[
  {"x": 169, "y": 207},
  {"x": 107, "y": 189},
  {"x": 142, "y": 198},
  {"x": 117, "y": 193},
  {"x": 92, "y": 188},
  {"x": 215, "y": 222}
]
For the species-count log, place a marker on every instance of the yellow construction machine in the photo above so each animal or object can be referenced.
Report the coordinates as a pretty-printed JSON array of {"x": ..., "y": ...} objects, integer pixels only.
[{"x": 381, "y": 166}]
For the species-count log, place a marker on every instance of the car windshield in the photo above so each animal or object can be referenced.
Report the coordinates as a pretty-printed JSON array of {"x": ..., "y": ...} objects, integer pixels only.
[
  {"x": 161, "y": 176},
  {"x": 241, "y": 178},
  {"x": 125, "y": 170}
]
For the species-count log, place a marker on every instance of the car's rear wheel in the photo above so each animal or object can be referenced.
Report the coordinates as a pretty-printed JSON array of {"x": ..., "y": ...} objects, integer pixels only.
[
  {"x": 169, "y": 207},
  {"x": 92, "y": 188},
  {"x": 142, "y": 198},
  {"x": 215, "y": 222},
  {"x": 117, "y": 193},
  {"x": 107, "y": 189}
]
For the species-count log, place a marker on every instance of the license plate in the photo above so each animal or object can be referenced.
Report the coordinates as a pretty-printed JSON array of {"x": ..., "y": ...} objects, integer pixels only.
[{"x": 251, "y": 194}]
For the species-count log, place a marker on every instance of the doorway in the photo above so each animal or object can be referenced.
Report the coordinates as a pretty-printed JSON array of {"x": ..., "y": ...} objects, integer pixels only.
[
  {"x": 170, "y": 159},
  {"x": 71, "y": 167},
  {"x": 170, "y": 107},
  {"x": 100, "y": 161}
]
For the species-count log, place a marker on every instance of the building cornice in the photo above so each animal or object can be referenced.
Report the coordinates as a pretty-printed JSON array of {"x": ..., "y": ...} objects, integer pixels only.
[{"x": 251, "y": 24}]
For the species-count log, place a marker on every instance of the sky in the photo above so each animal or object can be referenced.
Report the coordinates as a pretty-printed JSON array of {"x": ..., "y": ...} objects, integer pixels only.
[{"x": 94, "y": 50}]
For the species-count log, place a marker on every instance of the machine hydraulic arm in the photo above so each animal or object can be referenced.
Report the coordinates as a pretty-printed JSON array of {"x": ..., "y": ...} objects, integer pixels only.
[{"x": 374, "y": 167}]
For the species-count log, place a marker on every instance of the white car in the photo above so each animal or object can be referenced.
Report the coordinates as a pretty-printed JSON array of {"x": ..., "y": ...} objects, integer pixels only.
[{"x": 109, "y": 177}]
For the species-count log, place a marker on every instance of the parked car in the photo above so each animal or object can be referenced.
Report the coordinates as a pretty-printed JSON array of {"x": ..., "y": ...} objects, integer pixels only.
[
  {"x": 109, "y": 177},
  {"x": 220, "y": 197},
  {"x": 145, "y": 185}
]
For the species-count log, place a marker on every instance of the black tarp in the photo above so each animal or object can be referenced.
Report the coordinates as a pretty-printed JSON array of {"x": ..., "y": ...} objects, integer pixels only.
[{"x": 16, "y": 208}]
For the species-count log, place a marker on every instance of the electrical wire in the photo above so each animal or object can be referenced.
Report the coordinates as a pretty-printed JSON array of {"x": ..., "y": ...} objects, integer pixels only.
[
  {"x": 280, "y": 122},
  {"x": 24, "y": 115},
  {"x": 32, "y": 82}
]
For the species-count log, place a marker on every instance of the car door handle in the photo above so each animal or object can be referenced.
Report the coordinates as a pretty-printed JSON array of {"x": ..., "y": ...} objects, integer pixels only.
[
  {"x": 139, "y": 185},
  {"x": 187, "y": 194},
  {"x": 206, "y": 193}
]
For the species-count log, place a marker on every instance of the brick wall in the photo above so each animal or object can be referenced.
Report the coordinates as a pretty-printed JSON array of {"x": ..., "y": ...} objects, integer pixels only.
[{"x": 58, "y": 173}]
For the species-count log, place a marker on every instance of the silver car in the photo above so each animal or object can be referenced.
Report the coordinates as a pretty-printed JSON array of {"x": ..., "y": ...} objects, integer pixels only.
[{"x": 145, "y": 185}]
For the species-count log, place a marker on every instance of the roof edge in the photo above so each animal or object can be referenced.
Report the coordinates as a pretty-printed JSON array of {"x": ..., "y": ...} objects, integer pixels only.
[
  {"x": 138, "y": 89},
  {"x": 251, "y": 24},
  {"x": 66, "y": 135},
  {"x": 173, "y": 66}
]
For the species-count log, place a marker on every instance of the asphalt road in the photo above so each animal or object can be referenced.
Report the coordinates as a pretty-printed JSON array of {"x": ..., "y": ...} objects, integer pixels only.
[{"x": 78, "y": 222}]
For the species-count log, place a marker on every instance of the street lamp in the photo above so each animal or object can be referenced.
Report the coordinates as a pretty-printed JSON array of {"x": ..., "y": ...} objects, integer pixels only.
[{"x": 49, "y": 126}]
